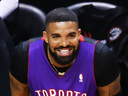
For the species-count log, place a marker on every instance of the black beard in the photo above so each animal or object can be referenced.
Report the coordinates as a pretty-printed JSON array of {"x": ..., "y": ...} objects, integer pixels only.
[{"x": 64, "y": 60}]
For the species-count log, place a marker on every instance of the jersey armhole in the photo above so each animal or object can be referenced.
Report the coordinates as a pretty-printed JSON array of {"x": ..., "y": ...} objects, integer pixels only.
[
  {"x": 96, "y": 41},
  {"x": 96, "y": 56},
  {"x": 89, "y": 40},
  {"x": 26, "y": 45}
]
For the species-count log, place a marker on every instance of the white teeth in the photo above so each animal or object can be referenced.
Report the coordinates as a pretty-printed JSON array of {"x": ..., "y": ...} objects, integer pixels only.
[{"x": 64, "y": 51}]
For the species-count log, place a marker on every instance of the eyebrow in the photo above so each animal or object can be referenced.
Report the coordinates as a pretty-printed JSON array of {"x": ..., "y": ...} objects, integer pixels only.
[
  {"x": 55, "y": 34},
  {"x": 59, "y": 34}
]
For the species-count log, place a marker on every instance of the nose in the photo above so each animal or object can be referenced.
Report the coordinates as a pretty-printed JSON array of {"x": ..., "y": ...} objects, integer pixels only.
[{"x": 64, "y": 42}]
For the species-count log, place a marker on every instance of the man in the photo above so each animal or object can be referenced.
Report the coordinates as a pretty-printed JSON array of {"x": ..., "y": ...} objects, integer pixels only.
[{"x": 62, "y": 64}]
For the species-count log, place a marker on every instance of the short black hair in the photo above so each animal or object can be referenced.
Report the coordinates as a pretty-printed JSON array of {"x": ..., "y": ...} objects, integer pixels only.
[{"x": 60, "y": 14}]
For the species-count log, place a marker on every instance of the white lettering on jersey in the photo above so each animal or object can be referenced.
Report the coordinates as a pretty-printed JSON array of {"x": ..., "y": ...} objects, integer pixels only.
[
  {"x": 77, "y": 93},
  {"x": 60, "y": 92},
  {"x": 52, "y": 92},
  {"x": 69, "y": 93},
  {"x": 84, "y": 94},
  {"x": 38, "y": 92},
  {"x": 45, "y": 93}
]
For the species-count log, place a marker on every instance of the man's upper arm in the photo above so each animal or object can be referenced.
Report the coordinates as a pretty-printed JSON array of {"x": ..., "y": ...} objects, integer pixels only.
[
  {"x": 110, "y": 89},
  {"x": 18, "y": 88},
  {"x": 18, "y": 71},
  {"x": 107, "y": 71}
]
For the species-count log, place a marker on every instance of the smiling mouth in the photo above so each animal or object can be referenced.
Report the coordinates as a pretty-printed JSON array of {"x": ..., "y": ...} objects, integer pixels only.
[{"x": 64, "y": 52}]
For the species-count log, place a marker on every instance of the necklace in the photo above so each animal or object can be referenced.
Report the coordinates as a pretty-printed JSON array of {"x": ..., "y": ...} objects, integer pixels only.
[{"x": 59, "y": 73}]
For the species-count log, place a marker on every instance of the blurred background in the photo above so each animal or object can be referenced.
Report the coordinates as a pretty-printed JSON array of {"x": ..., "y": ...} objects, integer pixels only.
[{"x": 47, "y": 5}]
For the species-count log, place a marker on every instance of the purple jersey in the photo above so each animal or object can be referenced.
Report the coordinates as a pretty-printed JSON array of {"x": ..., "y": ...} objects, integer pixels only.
[{"x": 77, "y": 81}]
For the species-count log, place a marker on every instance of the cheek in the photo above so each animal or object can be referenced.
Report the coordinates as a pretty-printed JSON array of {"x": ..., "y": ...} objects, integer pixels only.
[
  {"x": 75, "y": 43},
  {"x": 52, "y": 45}
]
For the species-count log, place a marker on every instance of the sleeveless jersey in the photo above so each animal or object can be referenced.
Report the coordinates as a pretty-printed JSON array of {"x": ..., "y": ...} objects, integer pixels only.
[{"x": 79, "y": 80}]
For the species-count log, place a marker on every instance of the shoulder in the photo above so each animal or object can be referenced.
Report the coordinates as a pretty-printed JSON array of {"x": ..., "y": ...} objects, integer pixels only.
[
  {"x": 21, "y": 51},
  {"x": 98, "y": 45},
  {"x": 19, "y": 62},
  {"x": 24, "y": 46}
]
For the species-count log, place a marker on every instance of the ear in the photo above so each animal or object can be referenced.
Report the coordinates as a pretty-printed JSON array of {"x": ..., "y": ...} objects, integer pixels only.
[
  {"x": 45, "y": 35},
  {"x": 79, "y": 33}
]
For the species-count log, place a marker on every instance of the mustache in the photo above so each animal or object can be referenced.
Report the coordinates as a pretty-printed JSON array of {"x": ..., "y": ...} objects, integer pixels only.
[{"x": 61, "y": 47}]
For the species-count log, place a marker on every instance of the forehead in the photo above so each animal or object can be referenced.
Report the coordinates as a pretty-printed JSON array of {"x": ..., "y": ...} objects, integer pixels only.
[{"x": 56, "y": 27}]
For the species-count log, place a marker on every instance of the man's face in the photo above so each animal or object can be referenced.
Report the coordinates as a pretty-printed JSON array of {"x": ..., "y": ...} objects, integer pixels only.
[{"x": 63, "y": 40}]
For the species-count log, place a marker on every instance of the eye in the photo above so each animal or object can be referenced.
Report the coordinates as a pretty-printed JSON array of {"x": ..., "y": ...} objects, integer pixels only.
[
  {"x": 56, "y": 36},
  {"x": 72, "y": 35}
]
